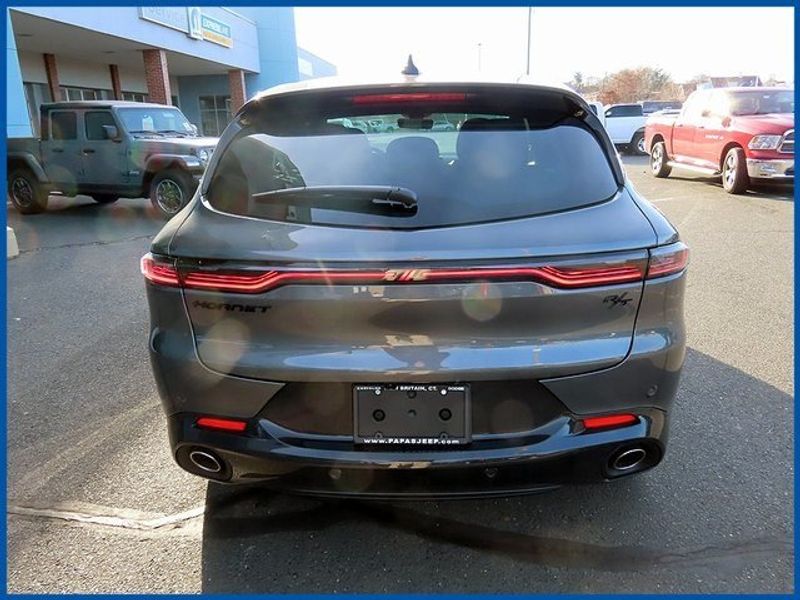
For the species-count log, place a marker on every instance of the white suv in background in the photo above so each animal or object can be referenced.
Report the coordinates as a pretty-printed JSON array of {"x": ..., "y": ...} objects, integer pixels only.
[{"x": 624, "y": 124}]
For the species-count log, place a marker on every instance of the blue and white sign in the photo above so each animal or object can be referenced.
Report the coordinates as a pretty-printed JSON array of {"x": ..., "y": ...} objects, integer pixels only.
[
  {"x": 195, "y": 17},
  {"x": 191, "y": 21}
]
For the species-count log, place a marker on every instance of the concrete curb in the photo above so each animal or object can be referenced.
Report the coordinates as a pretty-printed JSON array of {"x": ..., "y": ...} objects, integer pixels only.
[{"x": 12, "y": 249}]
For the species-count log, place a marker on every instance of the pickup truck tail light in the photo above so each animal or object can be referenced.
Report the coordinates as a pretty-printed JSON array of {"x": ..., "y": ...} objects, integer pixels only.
[{"x": 667, "y": 260}]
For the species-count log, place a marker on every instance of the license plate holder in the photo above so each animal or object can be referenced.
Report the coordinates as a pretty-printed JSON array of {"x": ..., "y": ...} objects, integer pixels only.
[{"x": 436, "y": 415}]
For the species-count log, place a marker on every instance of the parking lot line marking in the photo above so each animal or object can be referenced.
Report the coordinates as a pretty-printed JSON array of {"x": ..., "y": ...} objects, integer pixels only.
[
  {"x": 667, "y": 198},
  {"x": 106, "y": 517}
]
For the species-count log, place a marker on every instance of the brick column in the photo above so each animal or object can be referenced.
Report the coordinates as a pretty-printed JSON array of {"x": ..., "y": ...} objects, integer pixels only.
[
  {"x": 157, "y": 76},
  {"x": 238, "y": 90},
  {"x": 51, "y": 69},
  {"x": 116, "y": 86}
]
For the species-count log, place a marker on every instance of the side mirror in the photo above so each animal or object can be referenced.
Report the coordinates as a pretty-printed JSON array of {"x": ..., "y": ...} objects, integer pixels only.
[
  {"x": 111, "y": 132},
  {"x": 195, "y": 130}
]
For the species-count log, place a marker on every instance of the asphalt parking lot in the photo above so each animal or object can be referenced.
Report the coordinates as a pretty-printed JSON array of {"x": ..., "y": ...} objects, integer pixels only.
[{"x": 95, "y": 503}]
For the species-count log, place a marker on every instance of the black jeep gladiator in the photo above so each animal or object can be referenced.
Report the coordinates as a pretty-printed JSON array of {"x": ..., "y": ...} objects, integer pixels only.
[{"x": 108, "y": 150}]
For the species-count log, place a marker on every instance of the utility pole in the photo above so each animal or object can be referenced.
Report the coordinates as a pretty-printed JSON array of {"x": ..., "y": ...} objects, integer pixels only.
[
  {"x": 479, "y": 57},
  {"x": 528, "y": 62}
]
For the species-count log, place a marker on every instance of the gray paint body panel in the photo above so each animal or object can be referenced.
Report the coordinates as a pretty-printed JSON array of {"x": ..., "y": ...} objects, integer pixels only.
[{"x": 611, "y": 226}]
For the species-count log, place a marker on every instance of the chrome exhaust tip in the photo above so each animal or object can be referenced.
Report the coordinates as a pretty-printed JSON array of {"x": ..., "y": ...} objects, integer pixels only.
[
  {"x": 205, "y": 461},
  {"x": 628, "y": 459}
]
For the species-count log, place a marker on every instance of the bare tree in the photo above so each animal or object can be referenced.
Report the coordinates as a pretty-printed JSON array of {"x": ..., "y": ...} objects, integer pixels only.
[
  {"x": 577, "y": 82},
  {"x": 634, "y": 85}
]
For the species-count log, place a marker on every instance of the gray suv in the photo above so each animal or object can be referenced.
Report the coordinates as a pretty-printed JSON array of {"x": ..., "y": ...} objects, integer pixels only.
[
  {"x": 492, "y": 310},
  {"x": 108, "y": 150}
]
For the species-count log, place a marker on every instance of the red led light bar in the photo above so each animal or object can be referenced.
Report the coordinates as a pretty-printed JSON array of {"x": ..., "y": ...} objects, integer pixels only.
[
  {"x": 160, "y": 273},
  {"x": 218, "y": 424},
  {"x": 402, "y": 98},
  {"x": 263, "y": 281},
  {"x": 609, "y": 421}
]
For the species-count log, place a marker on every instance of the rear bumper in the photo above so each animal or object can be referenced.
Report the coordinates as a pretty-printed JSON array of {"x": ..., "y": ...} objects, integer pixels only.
[
  {"x": 773, "y": 169},
  {"x": 557, "y": 453}
]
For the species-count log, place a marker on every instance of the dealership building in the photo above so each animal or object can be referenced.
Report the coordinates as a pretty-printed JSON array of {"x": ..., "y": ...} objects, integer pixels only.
[{"x": 205, "y": 60}]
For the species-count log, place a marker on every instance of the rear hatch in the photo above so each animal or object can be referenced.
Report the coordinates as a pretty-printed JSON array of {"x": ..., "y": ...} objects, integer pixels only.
[{"x": 329, "y": 248}]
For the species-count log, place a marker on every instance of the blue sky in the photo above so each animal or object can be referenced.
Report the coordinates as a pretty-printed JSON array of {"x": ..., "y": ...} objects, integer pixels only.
[{"x": 683, "y": 41}]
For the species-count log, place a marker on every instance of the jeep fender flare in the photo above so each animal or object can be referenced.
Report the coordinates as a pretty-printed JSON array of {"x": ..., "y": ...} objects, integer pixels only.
[
  {"x": 28, "y": 160},
  {"x": 159, "y": 162}
]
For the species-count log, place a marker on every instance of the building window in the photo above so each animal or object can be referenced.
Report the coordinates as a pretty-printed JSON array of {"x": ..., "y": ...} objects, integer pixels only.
[
  {"x": 79, "y": 93},
  {"x": 35, "y": 95},
  {"x": 215, "y": 112},
  {"x": 134, "y": 96}
]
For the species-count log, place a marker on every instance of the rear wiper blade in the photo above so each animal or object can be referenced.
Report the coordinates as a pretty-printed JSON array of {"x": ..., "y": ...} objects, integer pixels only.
[{"x": 385, "y": 200}]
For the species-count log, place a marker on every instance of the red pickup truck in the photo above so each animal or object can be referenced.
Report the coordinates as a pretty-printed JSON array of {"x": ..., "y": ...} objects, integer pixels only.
[{"x": 743, "y": 134}]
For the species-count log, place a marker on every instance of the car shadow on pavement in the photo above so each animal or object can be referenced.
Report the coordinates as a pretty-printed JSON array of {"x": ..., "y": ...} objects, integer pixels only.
[{"x": 719, "y": 505}]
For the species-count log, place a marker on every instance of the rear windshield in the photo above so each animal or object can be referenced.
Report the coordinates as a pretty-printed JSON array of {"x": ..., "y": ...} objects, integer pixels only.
[{"x": 458, "y": 167}]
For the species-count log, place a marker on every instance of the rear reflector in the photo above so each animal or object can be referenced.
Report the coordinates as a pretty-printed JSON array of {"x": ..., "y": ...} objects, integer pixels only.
[
  {"x": 609, "y": 421},
  {"x": 668, "y": 260},
  {"x": 409, "y": 97},
  {"x": 218, "y": 424},
  {"x": 158, "y": 271}
]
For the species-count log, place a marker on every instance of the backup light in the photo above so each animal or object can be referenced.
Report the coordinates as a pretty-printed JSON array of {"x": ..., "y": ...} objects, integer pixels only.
[{"x": 668, "y": 260}]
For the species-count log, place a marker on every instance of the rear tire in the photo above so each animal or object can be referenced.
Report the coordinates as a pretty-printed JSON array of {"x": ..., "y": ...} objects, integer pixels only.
[
  {"x": 636, "y": 146},
  {"x": 659, "y": 166},
  {"x": 27, "y": 194},
  {"x": 104, "y": 198},
  {"x": 734, "y": 172},
  {"x": 170, "y": 191}
]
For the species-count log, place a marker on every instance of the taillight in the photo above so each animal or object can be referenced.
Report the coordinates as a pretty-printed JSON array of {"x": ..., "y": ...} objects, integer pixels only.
[
  {"x": 668, "y": 260},
  {"x": 159, "y": 271},
  {"x": 220, "y": 424},
  {"x": 608, "y": 421},
  {"x": 572, "y": 277},
  {"x": 404, "y": 98},
  {"x": 257, "y": 282}
]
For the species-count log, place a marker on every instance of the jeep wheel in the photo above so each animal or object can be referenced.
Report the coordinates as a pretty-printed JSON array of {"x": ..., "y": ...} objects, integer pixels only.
[
  {"x": 659, "y": 166},
  {"x": 170, "y": 190},
  {"x": 104, "y": 198},
  {"x": 27, "y": 195},
  {"x": 734, "y": 172}
]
